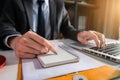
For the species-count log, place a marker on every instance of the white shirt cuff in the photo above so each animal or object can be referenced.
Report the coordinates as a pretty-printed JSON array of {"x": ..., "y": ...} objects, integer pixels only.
[{"x": 6, "y": 39}]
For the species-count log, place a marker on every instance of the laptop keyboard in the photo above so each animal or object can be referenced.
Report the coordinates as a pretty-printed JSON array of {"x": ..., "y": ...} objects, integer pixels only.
[
  {"x": 111, "y": 49},
  {"x": 109, "y": 52}
]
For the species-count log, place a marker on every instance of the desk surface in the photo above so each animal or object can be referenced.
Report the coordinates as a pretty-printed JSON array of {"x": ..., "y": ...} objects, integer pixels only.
[
  {"x": 101, "y": 73},
  {"x": 9, "y": 71}
]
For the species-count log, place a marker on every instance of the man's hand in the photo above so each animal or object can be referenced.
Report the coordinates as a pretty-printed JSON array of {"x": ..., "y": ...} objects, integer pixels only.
[
  {"x": 30, "y": 44},
  {"x": 84, "y": 36}
]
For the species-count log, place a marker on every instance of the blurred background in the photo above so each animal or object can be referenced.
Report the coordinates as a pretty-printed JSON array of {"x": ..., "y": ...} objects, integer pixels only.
[{"x": 99, "y": 15}]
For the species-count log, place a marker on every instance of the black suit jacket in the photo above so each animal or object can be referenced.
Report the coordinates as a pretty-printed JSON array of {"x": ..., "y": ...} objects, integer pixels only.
[
  {"x": 16, "y": 19},
  {"x": 1, "y": 6}
]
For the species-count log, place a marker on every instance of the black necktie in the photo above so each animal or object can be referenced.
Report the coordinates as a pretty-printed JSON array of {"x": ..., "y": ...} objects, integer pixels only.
[{"x": 41, "y": 20}]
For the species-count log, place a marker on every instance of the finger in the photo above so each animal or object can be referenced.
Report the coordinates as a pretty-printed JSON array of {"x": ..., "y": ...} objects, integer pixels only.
[
  {"x": 101, "y": 38},
  {"x": 95, "y": 38},
  {"x": 24, "y": 55},
  {"x": 40, "y": 40},
  {"x": 104, "y": 42},
  {"x": 34, "y": 45},
  {"x": 88, "y": 35},
  {"x": 27, "y": 49}
]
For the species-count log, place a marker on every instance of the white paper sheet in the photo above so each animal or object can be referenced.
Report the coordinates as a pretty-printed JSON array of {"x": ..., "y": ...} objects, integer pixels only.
[{"x": 32, "y": 69}]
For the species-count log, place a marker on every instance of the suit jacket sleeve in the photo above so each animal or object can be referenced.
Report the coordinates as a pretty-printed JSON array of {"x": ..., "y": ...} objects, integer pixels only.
[
  {"x": 66, "y": 28},
  {"x": 7, "y": 23}
]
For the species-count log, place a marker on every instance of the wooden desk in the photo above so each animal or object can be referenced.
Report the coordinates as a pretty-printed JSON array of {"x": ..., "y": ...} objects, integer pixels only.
[{"x": 102, "y": 73}]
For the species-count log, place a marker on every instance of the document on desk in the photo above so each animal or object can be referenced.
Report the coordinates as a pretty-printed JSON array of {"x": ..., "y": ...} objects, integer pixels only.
[{"x": 33, "y": 70}]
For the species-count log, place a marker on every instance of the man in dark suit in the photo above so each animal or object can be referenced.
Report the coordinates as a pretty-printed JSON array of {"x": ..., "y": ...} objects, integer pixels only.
[{"x": 20, "y": 17}]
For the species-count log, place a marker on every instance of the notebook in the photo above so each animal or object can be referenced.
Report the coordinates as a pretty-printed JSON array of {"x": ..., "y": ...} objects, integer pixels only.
[
  {"x": 60, "y": 57},
  {"x": 110, "y": 52}
]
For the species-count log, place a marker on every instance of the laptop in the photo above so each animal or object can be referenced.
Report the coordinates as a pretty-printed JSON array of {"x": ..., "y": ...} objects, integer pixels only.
[{"x": 110, "y": 52}]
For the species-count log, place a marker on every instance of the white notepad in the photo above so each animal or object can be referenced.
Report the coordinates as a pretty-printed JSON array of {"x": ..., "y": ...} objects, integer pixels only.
[{"x": 53, "y": 59}]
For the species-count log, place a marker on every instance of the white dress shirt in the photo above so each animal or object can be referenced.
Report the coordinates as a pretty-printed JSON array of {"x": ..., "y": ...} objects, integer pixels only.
[{"x": 45, "y": 9}]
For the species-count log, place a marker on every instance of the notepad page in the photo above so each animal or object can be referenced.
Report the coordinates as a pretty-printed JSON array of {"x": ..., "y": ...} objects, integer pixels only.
[{"x": 62, "y": 56}]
